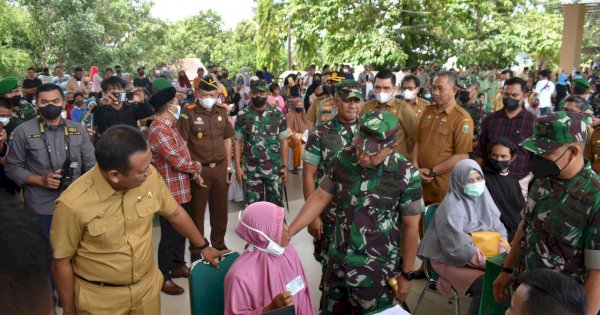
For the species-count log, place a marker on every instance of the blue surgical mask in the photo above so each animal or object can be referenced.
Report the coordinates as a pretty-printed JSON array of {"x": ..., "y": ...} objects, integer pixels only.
[
  {"x": 474, "y": 190},
  {"x": 273, "y": 249},
  {"x": 177, "y": 113}
]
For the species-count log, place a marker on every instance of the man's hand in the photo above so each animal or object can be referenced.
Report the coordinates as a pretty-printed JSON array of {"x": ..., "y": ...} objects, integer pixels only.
[
  {"x": 501, "y": 286},
  {"x": 316, "y": 228},
  {"x": 279, "y": 301},
  {"x": 52, "y": 180},
  {"x": 403, "y": 289},
  {"x": 3, "y": 135},
  {"x": 210, "y": 255},
  {"x": 229, "y": 173},
  {"x": 239, "y": 175},
  {"x": 284, "y": 175},
  {"x": 199, "y": 181},
  {"x": 138, "y": 95},
  {"x": 108, "y": 99},
  {"x": 424, "y": 172}
]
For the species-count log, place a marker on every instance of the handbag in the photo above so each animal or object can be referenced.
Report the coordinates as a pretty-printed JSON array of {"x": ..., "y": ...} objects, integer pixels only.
[{"x": 488, "y": 242}]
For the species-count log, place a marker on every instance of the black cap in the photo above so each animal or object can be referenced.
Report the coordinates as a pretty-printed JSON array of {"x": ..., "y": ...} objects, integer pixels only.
[{"x": 162, "y": 97}]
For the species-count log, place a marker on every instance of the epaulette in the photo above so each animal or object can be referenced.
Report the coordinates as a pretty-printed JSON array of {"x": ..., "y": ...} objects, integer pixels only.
[{"x": 191, "y": 106}]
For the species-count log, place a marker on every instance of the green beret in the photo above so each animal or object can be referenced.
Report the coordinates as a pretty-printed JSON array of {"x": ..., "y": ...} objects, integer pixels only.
[
  {"x": 160, "y": 83},
  {"x": 581, "y": 83},
  {"x": 162, "y": 97},
  {"x": 258, "y": 86},
  {"x": 207, "y": 84},
  {"x": 8, "y": 85}
]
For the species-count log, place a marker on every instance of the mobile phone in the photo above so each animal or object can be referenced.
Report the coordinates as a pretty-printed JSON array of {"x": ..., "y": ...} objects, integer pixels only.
[
  {"x": 121, "y": 97},
  {"x": 129, "y": 96}
]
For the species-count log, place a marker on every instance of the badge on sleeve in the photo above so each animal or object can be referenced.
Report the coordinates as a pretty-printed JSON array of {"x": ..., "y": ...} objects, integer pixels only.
[{"x": 466, "y": 127}]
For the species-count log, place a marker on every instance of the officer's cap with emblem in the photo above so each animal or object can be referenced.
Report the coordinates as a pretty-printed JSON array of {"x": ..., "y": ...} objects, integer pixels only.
[
  {"x": 258, "y": 86},
  {"x": 335, "y": 77},
  {"x": 160, "y": 84},
  {"x": 8, "y": 84},
  {"x": 208, "y": 83},
  {"x": 470, "y": 81},
  {"x": 376, "y": 131},
  {"x": 555, "y": 130},
  {"x": 162, "y": 97},
  {"x": 348, "y": 89},
  {"x": 583, "y": 83}
]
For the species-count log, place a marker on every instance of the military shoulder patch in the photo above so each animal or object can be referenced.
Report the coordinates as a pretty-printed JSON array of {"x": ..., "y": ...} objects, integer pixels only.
[{"x": 466, "y": 128}]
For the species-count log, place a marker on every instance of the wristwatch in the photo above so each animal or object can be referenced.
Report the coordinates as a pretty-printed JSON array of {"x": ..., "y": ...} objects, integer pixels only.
[
  {"x": 408, "y": 275},
  {"x": 432, "y": 173}
]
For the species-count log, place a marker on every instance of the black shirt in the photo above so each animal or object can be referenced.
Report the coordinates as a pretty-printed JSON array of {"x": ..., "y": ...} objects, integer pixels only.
[
  {"x": 507, "y": 195},
  {"x": 143, "y": 83},
  {"x": 31, "y": 83},
  {"x": 106, "y": 116}
]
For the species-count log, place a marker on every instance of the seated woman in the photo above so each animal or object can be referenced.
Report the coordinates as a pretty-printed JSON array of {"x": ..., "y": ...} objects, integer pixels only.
[
  {"x": 256, "y": 282},
  {"x": 467, "y": 207},
  {"x": 503, "y": 187}
]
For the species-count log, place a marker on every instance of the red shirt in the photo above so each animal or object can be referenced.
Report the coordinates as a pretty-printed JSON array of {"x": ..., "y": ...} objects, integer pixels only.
[{"x": 171, "y": 158}]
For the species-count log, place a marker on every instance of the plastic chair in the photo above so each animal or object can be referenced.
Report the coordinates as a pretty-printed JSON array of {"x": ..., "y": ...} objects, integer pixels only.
[
  {"x": 430, "y": 274},
  {"x": 207, "y": 286}
]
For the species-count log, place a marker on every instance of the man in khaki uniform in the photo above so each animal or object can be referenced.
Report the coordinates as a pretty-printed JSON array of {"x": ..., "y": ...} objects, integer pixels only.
[
  {"x": 206, "y": 128},
  {"x": 410, "y": 90},
  {"x": 444, "y": 137},
  {"x": 322, "y": 108},
  {"x": 385, "y": 91},
  {"x": 102, "y": 231},
  {"x": 592, "y": 150}
]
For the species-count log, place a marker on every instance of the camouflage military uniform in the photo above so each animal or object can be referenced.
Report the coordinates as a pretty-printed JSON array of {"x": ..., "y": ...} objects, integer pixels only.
[
  {"x": 20, "y": 114},
  {"x": 595, "y": 103},
  {"x": 562, "y": 221},
  {"x": 365, "y": 249},
  {"x": 261, "y": 133},
  {"x": 477, "y": 112}
]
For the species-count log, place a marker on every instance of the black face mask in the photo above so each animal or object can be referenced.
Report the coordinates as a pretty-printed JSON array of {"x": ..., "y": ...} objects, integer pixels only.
[
  {"x": 542, "y": 167},
  {"x": 259, "y": 101},
  {"x": 14, "y": 101},
  {"x": 51, "y": 111},
  {"x": 141, "y": 73},
  {"x": 299, "y": 109},
  {"x": 510, "y": 103},
  {"x": 329, "y": 90},
  {"x": 498, "y": 165},
  {"x": 464, "y": 96}
]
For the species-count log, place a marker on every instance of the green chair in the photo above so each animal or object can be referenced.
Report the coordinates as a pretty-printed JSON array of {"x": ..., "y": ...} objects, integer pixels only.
[
  {"x": 430, "y": 274},
  {"x": 207, "y": 286}
]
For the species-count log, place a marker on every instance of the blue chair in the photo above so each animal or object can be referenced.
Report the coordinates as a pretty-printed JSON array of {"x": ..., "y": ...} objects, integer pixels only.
[
  {"x": 207, "y": 286},
  {"x": 430, "y": 274}
]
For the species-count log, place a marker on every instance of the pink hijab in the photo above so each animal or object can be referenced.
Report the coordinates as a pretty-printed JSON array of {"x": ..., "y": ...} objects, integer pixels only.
[{"x": 256, "y": 277}]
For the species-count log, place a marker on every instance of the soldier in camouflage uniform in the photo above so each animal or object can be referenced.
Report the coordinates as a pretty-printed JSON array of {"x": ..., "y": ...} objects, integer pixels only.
[
  {"x": 560, "y": 229},
  {"x": 379, "y": 203},
  {"x": 467, "y": 99},
  {"x": 322, "y": 108},
  {"x": 261, "y": 135},
  {"x": 324, "y": 142},
  {"x": 22, "y": 110},
  {"x": 595, "y": 99},
  {"x": 581, "y": 88}
]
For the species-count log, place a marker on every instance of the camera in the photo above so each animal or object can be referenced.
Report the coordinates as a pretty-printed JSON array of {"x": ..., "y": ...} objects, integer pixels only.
[{"x": 66, "y": 178}]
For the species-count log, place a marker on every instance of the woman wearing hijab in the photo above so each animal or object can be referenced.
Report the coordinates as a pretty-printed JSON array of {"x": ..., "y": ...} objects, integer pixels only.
[
  {"x": 256, "y": 282},
  {"x": 298, "y": 124},
  {"x": 311, "y": 89},
  {"x": 467, "y": 207},
  {"x": 183, "y": 83}
]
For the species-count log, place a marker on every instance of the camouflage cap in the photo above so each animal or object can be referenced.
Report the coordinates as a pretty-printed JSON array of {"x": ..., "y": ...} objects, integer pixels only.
[
  {"x": 555, "y": 130},
  {"x": 348, "y": 89},
  {"x": 8, "y": 84},
  {"x": 376, "y": 131},
  {"x": 470, "y": 81},
  {"x": 258, "y": 86}
]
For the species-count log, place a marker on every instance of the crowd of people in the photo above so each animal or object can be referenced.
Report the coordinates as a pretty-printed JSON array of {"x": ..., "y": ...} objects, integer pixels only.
[{"x": 508, "y": 160}]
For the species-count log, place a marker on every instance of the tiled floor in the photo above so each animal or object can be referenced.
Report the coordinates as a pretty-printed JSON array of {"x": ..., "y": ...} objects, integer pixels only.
[{"x": 432, "y": 304}]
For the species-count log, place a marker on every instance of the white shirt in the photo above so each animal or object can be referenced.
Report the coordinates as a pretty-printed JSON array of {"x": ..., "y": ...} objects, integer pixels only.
[{"x": 544, "y": 88}]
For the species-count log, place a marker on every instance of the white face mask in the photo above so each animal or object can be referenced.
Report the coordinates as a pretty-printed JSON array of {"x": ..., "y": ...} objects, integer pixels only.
[
  {"x": 63, "y": 114},
  {"x": 383, "y": 97},
  {"x": 272, "y": 249},
  {"x": 177, "y": 113},
  {"x": 208, "y": 103},
  {"x": 4, "y": 121},
  {"x": 409, "y": 95}
]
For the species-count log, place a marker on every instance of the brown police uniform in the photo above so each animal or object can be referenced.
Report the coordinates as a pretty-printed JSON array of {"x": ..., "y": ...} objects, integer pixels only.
[
  {"x": 592, "y": 150},
  {"x": 442, "y": 134},
  {"x": 108, "y": 234},
  {"x": 419, "y": 106},
  {"x": 406, "y": 118},
  {"x": 205, "y": 131}
]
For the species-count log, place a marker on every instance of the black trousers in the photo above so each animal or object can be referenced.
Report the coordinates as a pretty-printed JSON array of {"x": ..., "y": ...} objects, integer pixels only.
[{"x": 171, "y": 249}]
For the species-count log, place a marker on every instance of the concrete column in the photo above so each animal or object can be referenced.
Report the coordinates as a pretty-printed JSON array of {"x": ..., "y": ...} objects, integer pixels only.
[{"x": 570, "y": 50}]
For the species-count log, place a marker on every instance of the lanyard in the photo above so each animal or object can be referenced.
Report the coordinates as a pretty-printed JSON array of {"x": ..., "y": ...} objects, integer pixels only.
[{"x": 43, "y": 136}]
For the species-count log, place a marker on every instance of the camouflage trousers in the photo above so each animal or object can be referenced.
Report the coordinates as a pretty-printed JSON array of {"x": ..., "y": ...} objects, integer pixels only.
[
  {"x": 355, "y": 300},
  {"x": 263, "y": 189}
]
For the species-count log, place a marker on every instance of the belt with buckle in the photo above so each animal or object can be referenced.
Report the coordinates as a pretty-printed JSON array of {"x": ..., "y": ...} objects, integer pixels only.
[
  {"x": 104, "y": 284},
  {"x": 213, "y": 164}
]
